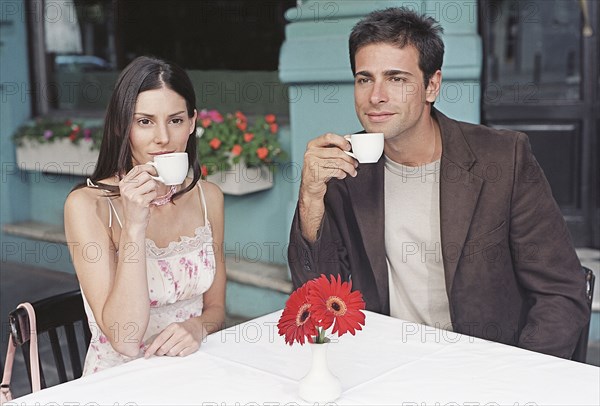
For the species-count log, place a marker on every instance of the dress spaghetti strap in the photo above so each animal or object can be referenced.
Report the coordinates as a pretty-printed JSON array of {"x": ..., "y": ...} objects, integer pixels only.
[
  {"x": 111, "y": 208},
  {"x": 110, "y": 212},
  {"x": 203, "y": 203}
]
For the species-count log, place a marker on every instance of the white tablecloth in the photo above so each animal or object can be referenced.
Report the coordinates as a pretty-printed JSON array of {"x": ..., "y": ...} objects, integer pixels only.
[{"x": 389, "y": 362}]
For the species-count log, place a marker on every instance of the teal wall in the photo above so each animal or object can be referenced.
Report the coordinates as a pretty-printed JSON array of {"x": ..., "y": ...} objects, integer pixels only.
[
  {"x": 14, "y": 107},
  {"x": 257, "y": 225},
  {"x": 251, "y": 301},
  {"x": 23, "y": 196}
]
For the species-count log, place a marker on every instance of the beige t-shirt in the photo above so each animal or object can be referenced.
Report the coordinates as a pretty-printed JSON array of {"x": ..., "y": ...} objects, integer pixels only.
[{"x": 413, "y": 244}]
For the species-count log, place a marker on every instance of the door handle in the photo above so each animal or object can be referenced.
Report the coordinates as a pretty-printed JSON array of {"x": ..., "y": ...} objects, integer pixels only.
[{"x": 587, "y": 30}]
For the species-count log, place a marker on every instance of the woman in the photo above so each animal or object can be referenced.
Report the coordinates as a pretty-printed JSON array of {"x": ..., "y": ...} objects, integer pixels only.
[{"x": 146, "y": 254}]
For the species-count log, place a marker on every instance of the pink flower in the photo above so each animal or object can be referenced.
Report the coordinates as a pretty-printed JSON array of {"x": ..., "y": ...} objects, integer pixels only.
[
  {"x": 212, "y": 115},
  {"x": 215, "y": 116},
  {"x": 48, "y": 134}
]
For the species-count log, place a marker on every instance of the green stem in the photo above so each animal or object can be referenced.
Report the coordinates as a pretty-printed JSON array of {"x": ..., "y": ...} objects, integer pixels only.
[{"x": 320, "y": 335}]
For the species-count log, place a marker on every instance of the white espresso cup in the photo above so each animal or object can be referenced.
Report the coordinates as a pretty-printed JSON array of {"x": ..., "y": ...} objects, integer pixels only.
[
  {"x": 366, "y": 147},
  {"x": 172, "y": 168}
]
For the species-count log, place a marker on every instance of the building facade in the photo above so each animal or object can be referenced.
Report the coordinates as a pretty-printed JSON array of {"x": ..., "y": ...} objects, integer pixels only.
[{"x": 529, "y": 65}]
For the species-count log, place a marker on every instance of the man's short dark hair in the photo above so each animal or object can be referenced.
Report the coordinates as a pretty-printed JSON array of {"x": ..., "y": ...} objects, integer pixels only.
[{"x": 400, "y": 27}]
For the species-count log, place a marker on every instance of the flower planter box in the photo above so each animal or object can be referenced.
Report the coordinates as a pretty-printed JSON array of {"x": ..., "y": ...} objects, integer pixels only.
[
  {"x": 241, "y": 180},
  {"x": 61, "y": 157},
  {"x": 65, "y": 158}
]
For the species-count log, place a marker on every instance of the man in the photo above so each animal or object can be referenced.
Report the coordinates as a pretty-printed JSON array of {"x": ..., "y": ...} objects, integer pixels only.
[{"x": 455, "y": 226}]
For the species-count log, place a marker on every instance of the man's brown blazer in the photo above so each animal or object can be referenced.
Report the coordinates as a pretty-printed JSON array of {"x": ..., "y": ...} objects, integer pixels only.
[{"x": 512, "y": 275}]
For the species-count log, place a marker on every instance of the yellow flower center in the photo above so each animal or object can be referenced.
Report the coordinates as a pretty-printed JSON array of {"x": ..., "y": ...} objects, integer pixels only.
[
  {"x": 303, "y": 314},
  {"x": 336, "y": 305}
]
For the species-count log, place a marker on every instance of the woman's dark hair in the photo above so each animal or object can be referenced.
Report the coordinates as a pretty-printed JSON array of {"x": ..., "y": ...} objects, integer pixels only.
[
  {"x": 142, "y": 74},
  {"x": 400, "y": 27}
]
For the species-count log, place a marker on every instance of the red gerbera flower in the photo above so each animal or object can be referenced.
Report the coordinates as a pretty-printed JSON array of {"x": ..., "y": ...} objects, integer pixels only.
[
  {"x": 335, "y": 301},
  {"x": 296, "y": 322}
]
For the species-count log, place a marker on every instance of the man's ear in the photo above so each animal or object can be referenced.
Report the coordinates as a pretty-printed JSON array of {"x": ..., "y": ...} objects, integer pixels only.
[{"x": 434, "y": 86}]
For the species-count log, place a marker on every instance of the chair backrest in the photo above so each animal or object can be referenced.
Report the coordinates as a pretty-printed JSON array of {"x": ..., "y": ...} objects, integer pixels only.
[
  {"x": 55, "y": 315},
  {"x": 580, "y": 353}
]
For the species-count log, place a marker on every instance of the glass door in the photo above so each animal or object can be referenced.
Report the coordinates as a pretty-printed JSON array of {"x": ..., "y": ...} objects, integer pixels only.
[{"x": 541, "y": 77}]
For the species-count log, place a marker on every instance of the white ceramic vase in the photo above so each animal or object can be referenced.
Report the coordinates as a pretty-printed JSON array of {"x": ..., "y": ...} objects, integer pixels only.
[{"x": 319, "y": 385}]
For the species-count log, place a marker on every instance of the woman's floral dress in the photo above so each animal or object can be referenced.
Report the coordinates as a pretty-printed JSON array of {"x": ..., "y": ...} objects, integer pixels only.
[{"x": 178, "y": 275}]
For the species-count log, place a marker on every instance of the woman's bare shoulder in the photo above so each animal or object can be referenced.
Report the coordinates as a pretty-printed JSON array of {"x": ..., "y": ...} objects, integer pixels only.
[
  {"x": 86, "y": 212},
  {"x": 89, "y": 204},
  {"x": 213, "y": 193},
  {"x": 81, "y": 197},
  {"x": 88, "y": 194}
]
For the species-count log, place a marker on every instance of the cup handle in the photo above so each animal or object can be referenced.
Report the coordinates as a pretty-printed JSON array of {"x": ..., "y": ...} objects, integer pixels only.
[
  {"x": 158, "y": 178},
  {"x": 349, "y": 139}
]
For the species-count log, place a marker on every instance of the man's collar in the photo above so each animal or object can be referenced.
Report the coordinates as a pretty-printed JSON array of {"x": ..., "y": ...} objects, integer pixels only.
[{"x": 454, "y": 144}]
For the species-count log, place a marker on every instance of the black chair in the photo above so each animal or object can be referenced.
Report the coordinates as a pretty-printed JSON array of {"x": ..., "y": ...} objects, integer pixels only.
[
  {"x": 580, "y": 352},
  {"x": 54, "y": 315}
]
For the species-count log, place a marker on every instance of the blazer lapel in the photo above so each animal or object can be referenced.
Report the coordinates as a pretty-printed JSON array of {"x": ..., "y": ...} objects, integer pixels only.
[
  {"x": 368, "y": 203},
  {"x": 459, "y": 192}
]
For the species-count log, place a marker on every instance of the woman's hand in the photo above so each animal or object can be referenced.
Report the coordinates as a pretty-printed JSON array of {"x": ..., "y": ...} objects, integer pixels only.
[
  {"x": 138, "y": 189},
  {"x": 177, "y": 339}
]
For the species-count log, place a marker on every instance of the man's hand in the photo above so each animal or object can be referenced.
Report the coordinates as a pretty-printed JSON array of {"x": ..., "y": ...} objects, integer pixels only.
[{"x": 324, "y": 159}]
